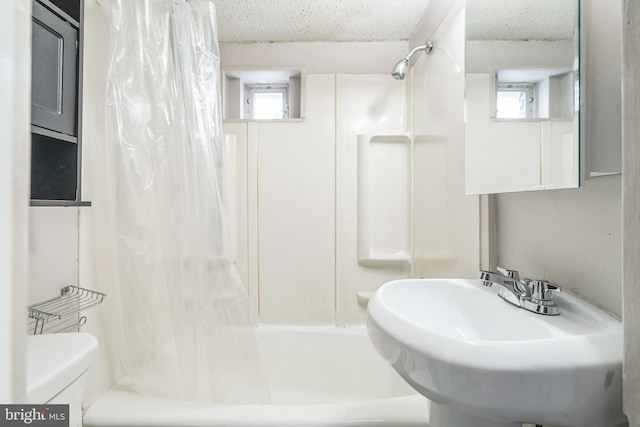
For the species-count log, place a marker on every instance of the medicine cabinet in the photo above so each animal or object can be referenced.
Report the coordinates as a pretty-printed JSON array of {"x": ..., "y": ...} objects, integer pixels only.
[
  {"x": 522, "y": 87},
  {"x": 542, "y": 94}
]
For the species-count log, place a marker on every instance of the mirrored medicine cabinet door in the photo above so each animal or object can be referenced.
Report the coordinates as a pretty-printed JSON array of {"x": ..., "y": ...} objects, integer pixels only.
[{"x": 522, "y": 86}]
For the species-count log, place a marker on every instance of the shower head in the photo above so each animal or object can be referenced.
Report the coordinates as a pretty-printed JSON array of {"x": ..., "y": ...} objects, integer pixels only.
[{"x": 401, "y": 68}]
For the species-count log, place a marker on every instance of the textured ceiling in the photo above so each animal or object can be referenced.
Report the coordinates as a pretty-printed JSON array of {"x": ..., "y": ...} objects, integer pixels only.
[
  {"x": 521, "y": 19},
  {"x": 260, "y": 21}
]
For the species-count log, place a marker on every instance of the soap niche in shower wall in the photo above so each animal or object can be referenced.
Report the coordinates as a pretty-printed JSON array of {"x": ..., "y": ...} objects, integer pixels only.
[{"x": 384, "y": 199}]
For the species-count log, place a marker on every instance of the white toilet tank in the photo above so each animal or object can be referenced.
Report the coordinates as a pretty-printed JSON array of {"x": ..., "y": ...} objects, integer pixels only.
[{"x": 57, "y": 368}]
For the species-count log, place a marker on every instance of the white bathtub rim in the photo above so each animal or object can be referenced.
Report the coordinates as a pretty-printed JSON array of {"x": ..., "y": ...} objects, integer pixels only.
[{"x": 119, "y": 408}]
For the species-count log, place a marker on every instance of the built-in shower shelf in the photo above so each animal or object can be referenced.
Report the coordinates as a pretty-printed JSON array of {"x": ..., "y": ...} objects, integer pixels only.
[
  {"x": 384, "y": 199},
  {"x": 72, "y": 301}
]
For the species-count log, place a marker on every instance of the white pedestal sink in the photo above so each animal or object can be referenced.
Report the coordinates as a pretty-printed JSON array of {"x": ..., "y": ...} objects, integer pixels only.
[{"x": 486, "y": 363}]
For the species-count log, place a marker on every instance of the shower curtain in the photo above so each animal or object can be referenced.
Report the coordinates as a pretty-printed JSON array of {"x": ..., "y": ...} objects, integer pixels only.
[{"x": 179, "y": 309}]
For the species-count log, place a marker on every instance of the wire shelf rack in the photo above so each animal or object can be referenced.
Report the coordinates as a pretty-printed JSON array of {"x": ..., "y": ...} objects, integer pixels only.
[{"x": 72, "y": 300}]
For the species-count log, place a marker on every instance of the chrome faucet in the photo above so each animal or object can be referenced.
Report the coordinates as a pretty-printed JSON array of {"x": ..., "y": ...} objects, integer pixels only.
[{"x": 532, "y": 295}]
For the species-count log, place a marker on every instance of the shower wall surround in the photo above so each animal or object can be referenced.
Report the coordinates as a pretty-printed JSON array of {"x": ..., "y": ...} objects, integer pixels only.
[
  {"x": 447, "y": 223},
  {"x": 298, "y": 250},
  {"x": 291, "y": 164},
  {"x": 369, "y": 105}
]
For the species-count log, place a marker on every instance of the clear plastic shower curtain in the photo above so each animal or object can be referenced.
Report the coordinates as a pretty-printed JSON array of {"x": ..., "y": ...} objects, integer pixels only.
[{"x": 181, "y": 326}]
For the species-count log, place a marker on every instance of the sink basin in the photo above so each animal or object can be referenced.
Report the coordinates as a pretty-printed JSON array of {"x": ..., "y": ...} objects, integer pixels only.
[{"x": 485, "y": 362}]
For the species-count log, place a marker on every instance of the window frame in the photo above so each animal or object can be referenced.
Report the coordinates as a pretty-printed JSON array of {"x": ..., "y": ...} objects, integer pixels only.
[
  {"x": 252, "y": 89},
  {"x": 531, "y": 90}
]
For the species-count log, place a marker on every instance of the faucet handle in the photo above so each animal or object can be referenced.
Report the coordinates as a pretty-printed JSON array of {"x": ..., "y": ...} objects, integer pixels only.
[
  {"x": 511, "y": 274},
  {"x": 542, "y": 290}
]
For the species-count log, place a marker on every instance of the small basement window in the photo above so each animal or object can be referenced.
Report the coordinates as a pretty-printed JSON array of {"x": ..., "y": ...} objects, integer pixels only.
[
  {"x": 267, "y": 101},
  {"x": 274, "y": 94},
  {"x": 516, "y": 100}
]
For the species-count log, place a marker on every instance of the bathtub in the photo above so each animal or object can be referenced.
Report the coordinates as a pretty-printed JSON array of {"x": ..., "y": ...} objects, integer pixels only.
[{"x": 318, "y": 376}]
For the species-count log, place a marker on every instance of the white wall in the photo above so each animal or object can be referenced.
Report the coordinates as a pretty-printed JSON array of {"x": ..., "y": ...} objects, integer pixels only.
[
  {"x": 53, "y": 260},
  {"x": 315, "y": 58},
  {"x": 15, "y": 89},
  {"x": 570, "y": 237},
  {"x": 53, "y": 251}
]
